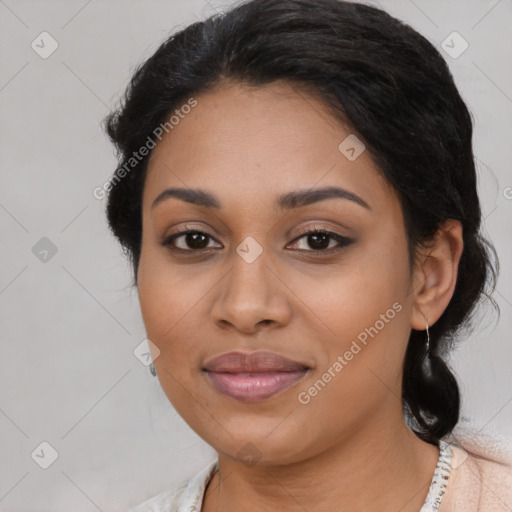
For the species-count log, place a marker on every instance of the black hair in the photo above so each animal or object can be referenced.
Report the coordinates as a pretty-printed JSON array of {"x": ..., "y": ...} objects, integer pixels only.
[{"x": 380, "y": 77}]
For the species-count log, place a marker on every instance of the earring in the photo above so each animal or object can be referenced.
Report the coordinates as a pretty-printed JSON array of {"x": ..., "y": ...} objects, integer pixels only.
[
  {"x": 428, "y": 338},
  {"x": 152, "y": 369}
]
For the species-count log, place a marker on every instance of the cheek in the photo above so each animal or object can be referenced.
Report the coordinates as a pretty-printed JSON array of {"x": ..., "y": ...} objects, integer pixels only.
[
  {"x": 166, "y": 294},
  {"x": 169, "y": 304},
  {"x": 175, "y": 301},
  {"x": 354, "y": 295},
  {"x": 365, "y": 313},
  {"x": 165, "y": 299},
  {"x": 364, "y": 307}
]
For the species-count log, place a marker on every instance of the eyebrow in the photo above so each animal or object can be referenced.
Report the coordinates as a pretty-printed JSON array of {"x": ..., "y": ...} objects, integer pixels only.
[{"x": 288, "y": 201}]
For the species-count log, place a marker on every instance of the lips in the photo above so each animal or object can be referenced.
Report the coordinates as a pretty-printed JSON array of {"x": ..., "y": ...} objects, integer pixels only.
[
  {"x": 240, "y": 362},
  {"x": 255, "y": 376}
]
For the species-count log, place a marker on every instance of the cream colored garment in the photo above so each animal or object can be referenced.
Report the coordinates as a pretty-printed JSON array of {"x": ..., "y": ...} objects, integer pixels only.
[
  {"x": 480, "y": 479},
  {"x": 481, "y": 473},
  {"x": 187, "y": 497}
]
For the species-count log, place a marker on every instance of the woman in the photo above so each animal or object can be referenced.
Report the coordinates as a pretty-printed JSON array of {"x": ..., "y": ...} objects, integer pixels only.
[{"x": 296, "y": 192}]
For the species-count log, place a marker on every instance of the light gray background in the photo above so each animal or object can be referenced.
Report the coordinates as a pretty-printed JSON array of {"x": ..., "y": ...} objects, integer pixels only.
[{"x": 69, "y": 326}]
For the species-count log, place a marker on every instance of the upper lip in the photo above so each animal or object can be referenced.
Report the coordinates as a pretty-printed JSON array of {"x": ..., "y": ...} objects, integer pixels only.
[{"x": 242, "y": 362}]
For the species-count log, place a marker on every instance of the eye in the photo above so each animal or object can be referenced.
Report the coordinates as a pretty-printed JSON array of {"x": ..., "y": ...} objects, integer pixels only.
[
  {"x": 323, "y": 241},
  {"x": 192, "y": 241}
]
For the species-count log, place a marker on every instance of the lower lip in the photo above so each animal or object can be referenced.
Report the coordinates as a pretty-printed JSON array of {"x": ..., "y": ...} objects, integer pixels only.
[{"x": 251, "y": 387}]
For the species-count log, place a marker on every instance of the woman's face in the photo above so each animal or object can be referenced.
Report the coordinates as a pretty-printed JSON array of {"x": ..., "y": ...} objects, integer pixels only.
[{"x": 252, "y": 281}]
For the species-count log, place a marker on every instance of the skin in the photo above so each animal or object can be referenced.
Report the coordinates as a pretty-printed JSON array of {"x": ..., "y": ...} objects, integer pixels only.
[{"x": 349, "y": 444}]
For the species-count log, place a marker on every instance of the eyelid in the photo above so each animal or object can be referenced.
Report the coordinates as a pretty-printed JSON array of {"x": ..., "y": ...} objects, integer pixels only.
[
  {"x": 315, "y": 227},
  {"x": 302, "y": 231}
]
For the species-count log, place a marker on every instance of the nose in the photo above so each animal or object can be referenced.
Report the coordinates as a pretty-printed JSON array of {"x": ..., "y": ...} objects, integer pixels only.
[{"x": 250, "y": 297}]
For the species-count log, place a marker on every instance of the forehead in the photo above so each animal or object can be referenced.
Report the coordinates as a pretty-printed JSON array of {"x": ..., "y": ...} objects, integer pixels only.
[{"x": 255, "y": 142}]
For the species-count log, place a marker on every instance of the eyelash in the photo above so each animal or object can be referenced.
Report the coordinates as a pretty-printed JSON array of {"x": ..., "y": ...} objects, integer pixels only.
[{"x": 341, "y": 240}]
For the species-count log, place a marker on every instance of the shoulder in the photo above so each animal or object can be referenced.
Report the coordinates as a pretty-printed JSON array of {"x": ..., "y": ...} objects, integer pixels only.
[
  {"x": 166, "y": 501},
  {"x": 185, "y": 497},
  {"x": 478, "y": 484},
  {"x": 495, "y": 480}
]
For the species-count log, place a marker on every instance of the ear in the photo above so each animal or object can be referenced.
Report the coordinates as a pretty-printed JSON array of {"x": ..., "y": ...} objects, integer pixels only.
[{"x": 435, "y": 274}]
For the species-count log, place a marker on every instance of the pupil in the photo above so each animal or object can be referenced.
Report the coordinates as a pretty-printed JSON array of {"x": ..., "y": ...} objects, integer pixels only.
[
  {"x": 322, "y": 244},
  {"x": 193, "y": 240}
]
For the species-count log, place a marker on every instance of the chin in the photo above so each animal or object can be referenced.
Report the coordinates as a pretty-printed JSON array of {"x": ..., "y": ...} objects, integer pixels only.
[{"x": 261, "y": 443}]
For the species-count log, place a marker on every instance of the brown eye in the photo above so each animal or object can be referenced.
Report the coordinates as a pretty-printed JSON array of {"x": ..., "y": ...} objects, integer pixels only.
[
  {"x": 319, "y": 240},
  {"x": 191, "y": 240}
]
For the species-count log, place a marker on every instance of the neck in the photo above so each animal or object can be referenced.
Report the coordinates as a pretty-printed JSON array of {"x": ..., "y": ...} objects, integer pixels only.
[{"x": 376, "y": 469}]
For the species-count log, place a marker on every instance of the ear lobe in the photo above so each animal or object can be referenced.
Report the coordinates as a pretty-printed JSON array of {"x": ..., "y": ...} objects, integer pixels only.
[{"x": 435, "y": 274}]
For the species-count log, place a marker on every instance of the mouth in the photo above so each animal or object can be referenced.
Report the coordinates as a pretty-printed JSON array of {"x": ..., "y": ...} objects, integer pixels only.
[{"x": 255, "y": 376}]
